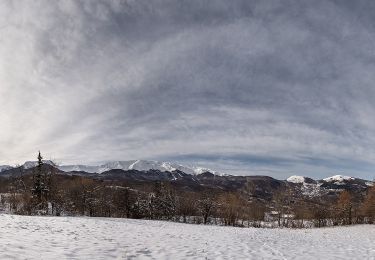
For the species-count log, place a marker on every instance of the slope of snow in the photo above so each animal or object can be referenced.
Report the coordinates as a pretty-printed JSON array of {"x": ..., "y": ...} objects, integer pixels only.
[
  {"x": 79, "y": 168},
  {"x": 296, "y": 179},
  {"x": 307, "y": 189},
  {"x": 5, "y": 167},
  {"x": 123, "y": 165},
  {"x": 312, "y": 190},
  {"x": 338, "y": 178},
  {"x": 24, "y": 237},
  {"x": 200, "y": 170},
  {"x": 140, "y": 165},
  {"x": 143, "y": 165},
  {"x": 32, "y": 164}
]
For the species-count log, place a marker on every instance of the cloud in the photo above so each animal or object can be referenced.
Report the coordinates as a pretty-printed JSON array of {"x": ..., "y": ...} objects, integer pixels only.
[{"x": 248, "y": 87}]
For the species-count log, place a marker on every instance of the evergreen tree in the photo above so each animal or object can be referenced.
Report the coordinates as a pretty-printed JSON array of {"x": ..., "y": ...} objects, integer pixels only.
[
  {"x": 38, "y": 180},
  {"x": 42, "y": 181}
]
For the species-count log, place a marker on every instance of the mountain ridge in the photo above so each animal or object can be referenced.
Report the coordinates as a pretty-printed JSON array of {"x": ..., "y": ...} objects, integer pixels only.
[
  {"x": 140, "y": 173},
  {"x": 163, "y": 166}
]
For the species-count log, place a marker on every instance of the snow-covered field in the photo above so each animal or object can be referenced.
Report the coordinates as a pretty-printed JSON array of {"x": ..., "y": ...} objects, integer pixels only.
[{"x": 24, "y": 237}]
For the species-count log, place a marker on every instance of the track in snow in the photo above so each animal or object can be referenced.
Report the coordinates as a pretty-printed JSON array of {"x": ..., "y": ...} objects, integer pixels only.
[{"x": 25, "y": 237}]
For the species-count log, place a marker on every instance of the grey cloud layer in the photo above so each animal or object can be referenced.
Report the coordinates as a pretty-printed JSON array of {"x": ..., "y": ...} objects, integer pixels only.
[{"x": 256, "y": 87}]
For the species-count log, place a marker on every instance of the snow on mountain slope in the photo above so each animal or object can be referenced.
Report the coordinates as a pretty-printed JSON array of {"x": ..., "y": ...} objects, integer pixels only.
[
  {"x": 309, "y": 187},
  {"x": 143, "y": 165},
  {"x": 296, "y": 179},
  {"x": 5, "y": 167},
  {"x": 123, "y": 165},
  {"x": 338, "y": 178},
  {"x": 199, "y": 170},
  {"x": 79, "y": 168},
  {"x": 32, "y": 164},
  {"x": 110, "y": 238},
  {"x": 140, "y": 165}
]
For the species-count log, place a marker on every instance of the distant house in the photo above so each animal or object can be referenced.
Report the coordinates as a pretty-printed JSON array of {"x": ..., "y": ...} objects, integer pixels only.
[{"x": 274, "y": 215}]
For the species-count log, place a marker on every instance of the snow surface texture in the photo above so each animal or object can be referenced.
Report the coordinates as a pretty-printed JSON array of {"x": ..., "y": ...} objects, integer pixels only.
[{"x": 25, "y": 237}]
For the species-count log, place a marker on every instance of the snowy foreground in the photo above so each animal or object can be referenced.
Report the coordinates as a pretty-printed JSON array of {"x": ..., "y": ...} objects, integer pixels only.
[{"x": 24, "y": 237}]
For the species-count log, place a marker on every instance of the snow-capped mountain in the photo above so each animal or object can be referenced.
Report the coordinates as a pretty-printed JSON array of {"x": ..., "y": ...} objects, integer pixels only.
[
  {"x": 309, "y": 187},
  {"x": 32, "y": 164},
  {"x": 335, "y": 179},
  {"x": 135, "y": 171},
  {"x": 296, "y": 179},
  {"x": 140, "y": 165},
  {"x": 78, "y": 168},
  {"x": 338, "y": 178},
  {"x": 313, "y": 188},
  {"x": 301, "y": 179},
  {"x": 27, "y": 165},
  {"x": 5, "y": 167}
]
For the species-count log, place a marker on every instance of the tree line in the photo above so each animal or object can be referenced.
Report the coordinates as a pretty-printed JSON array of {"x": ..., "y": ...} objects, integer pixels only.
[{"x": 47, "y": 193}]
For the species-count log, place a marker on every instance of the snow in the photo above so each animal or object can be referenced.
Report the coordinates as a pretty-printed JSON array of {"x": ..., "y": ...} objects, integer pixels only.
[
  {"x": 338, "y": 178},
  {"x": 78, "y": 168},
  {"x": 5, "y": 167},
  {"x": 308, "y": 189},
  {"x": 312, "y": 190},
  {"x": 140, "y": 165},
  {"x": 32, "y": 164},
  {"x": 200, "y": 170},
  {"x": 24, "y": 237},
  {"x": 296, "y": 179}
]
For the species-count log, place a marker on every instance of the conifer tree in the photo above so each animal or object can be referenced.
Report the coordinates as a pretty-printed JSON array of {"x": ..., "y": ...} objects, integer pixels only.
[
  {"x": 42, "y": 181},
  {"x": 38, "y": 180}
]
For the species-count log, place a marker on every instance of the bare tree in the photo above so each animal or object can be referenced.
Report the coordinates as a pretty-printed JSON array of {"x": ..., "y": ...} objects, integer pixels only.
[
  {"x": 345, "y": 207},
  {"x": 368, "y": 206},
  {"x": 206, "y": 206},
  {"x": 230, "y": 208},
  {"x": 187, "y": 205}
]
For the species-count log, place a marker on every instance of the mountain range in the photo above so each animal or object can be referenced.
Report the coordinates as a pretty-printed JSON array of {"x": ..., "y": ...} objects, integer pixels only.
[
  {"x": 149, "y": 165},
  {"x": 195, "y": 178},
  {"x": 139, "y": 165}
]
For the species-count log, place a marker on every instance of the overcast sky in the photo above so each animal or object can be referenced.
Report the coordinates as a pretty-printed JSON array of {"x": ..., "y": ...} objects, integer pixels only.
[{"x": 243, "y": 87}]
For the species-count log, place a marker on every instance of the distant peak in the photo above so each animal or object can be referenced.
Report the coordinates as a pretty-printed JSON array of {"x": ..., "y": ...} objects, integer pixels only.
[
  {"x": 139, "y": 165},
  {"x": 338, "y": 178},
  {"x": 32, "y": 164},
  {"x": 5, "y": 167},
  {"x": 296, "y": 179}
]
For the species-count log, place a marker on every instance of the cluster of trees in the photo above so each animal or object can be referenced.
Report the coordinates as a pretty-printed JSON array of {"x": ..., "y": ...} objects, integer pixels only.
[
  {"x": 345, "y": 210},
  {"x": 47, "y": 193}
]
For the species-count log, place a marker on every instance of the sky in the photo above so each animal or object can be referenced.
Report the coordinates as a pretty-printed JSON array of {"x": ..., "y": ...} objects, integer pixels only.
[{"x": 243, "y": 87}]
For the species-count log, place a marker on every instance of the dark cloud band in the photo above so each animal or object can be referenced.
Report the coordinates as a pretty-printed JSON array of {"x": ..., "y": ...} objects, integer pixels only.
[{"x": 208, "y": 82}]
